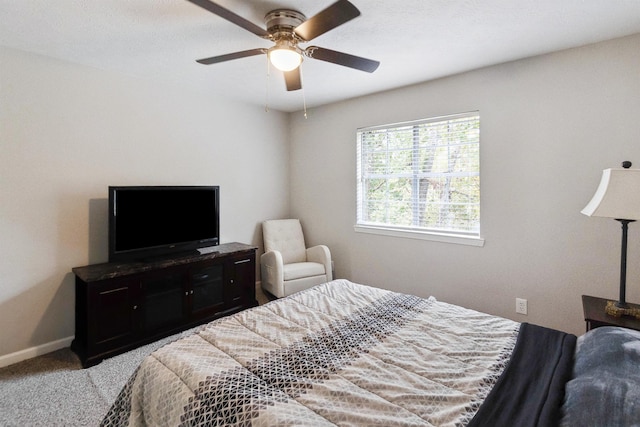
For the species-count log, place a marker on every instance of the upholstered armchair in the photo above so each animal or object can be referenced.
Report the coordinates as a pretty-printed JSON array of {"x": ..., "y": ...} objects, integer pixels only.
[{"x": 287, "y": 265}]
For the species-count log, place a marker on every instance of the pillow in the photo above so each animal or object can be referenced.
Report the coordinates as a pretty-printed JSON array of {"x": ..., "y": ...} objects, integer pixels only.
[{"x": 605, "y": 385}]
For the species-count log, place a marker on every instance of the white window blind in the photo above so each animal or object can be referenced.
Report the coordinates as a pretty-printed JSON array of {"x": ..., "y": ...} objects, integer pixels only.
[{"x": 421, "y": 176}]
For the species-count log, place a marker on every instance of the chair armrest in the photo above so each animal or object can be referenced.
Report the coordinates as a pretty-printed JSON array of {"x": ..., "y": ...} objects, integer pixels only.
[
  {"x": 321, "y": 255},
  {"x": 272, "y": 272}
]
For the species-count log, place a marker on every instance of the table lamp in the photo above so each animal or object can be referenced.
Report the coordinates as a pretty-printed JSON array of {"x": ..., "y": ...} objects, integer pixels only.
[{"x": 618, "y": 197}]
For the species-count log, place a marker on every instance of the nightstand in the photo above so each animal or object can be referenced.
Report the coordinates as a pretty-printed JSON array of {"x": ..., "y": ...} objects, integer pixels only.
[{"x": 595, "y": 316}]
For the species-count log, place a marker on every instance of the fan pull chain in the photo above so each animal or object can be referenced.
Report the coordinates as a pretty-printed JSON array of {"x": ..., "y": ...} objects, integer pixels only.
[
  {"x": 266, "y": 103},
  {"x": 304, "y": 99},
  {"x": 266, "y": 95},
  {"x": 304, "y": 103}
]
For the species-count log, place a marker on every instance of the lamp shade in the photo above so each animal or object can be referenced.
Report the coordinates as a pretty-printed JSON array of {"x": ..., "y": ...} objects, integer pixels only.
[
  {"x": 285, "y": 58},
  {"x": 617, "y": 196}
]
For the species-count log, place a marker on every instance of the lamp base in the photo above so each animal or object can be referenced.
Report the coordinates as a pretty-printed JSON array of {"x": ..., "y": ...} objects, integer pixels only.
[{"x": 612, "y": 309}]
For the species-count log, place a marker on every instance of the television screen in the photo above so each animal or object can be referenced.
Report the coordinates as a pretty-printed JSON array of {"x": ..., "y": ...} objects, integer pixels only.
[{"x": 153, "y": 221}]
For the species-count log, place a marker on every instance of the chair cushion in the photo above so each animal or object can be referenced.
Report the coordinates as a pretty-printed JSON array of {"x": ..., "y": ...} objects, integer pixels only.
[
  {"x": 302, "y": 269},
  {"x": 285, "y": 236}
]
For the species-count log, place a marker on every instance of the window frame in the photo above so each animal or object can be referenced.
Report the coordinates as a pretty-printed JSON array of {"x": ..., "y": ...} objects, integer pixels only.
[{"x": 471, "y": 238}]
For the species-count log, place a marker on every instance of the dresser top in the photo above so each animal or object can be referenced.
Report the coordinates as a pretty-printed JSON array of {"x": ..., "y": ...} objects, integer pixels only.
[{"x": 110, "y": 270}]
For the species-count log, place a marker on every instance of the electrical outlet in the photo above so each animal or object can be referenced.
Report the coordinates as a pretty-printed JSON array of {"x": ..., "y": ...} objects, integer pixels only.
[{"x": 521, "y": 305}]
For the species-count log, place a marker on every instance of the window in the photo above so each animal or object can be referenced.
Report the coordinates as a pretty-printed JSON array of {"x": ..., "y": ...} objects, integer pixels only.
[{"x": 421, "y": 178}]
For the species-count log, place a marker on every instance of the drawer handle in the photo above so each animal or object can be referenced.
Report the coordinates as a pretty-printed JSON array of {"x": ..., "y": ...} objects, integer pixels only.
[
  {"x": 243, "y": 261},
  {"x": 114, "y": 290}
]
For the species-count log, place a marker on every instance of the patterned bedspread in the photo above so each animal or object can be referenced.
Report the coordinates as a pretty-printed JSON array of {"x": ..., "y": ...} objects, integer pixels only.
[{"x": 336, "y": 354}]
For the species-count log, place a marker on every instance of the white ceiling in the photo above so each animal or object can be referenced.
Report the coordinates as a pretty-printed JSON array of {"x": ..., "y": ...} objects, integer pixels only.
[{"x": 415, "y": 40}]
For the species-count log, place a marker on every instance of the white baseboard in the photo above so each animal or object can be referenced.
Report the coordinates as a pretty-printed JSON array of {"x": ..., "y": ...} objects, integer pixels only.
[{"x": 28, "y": 353}]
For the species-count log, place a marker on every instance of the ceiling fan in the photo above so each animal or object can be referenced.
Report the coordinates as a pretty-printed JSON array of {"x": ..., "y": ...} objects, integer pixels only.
[{"x": 287, "y": 29}]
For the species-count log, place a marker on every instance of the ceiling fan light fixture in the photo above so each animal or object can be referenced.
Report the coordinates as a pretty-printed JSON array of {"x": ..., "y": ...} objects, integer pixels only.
[
  {"x": 286, "y": 28},
  {"x": 285, "y": 57}
]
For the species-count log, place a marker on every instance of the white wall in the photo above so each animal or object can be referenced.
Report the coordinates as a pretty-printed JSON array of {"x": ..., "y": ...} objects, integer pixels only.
[
  {"x": 67, "y": 132},
  {"x": 549, "y": 125}
]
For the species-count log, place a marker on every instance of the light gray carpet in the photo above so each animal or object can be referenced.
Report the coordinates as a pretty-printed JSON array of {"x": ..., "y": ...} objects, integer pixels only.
[{"x": 54, "y": 390}]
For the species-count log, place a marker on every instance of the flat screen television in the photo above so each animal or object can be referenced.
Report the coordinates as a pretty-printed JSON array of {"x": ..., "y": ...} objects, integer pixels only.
[{"x": 147, "y": 222}]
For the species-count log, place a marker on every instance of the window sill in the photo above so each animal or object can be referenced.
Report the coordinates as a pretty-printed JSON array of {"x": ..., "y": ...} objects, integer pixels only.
[{"x": 421, "y": 235}]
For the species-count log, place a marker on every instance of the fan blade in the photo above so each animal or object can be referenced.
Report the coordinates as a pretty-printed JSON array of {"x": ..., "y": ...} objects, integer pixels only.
[
  {"x": 327, "y": 19},
  {"x": 230, "y": 56},
  {"x": 292, "y": 79},
  {"x": 340, "y": 58},
  {"x": 231, "y": 17}
]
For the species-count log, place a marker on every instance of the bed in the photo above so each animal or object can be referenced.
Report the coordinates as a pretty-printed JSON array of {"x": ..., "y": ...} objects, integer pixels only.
[{"x": 352, "y": 355}]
